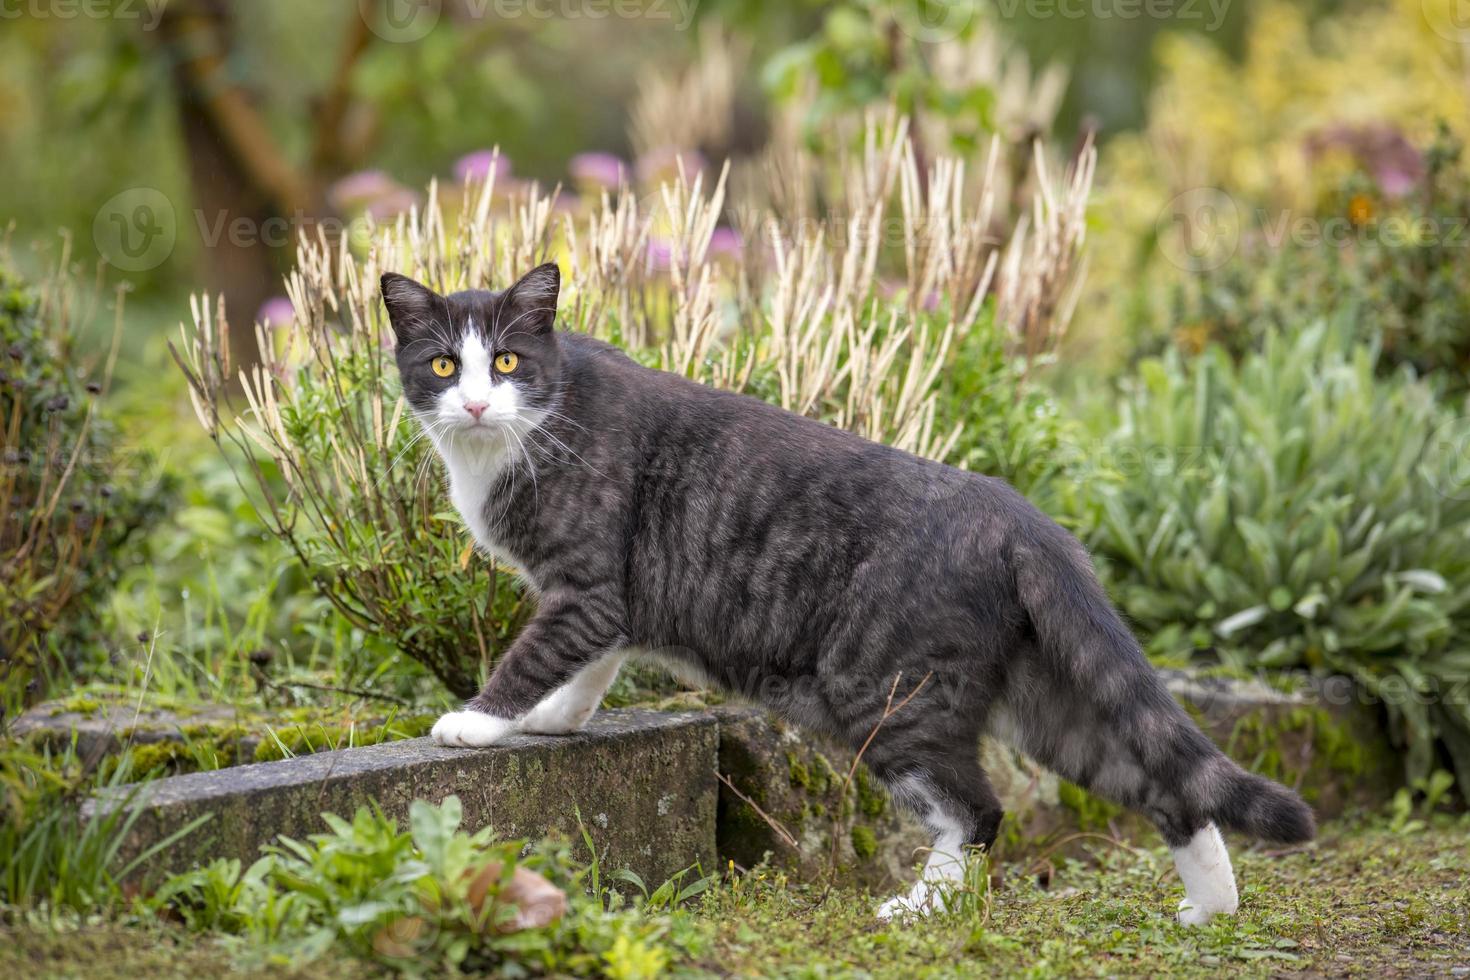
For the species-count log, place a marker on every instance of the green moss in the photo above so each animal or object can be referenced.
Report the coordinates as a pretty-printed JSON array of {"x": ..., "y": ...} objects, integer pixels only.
[
  {"x": 800, "y": 774},
  {"x": 864, "y": 842},
  {"x": 313, "y": 735},
  {"x": 79, "y": 704},
  {"x": 872, "y": 799},
  {"x": 824, "y": 778}
]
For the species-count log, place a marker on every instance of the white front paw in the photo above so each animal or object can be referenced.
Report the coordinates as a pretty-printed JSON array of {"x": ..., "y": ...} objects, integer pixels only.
[
  {"x": 471, "y": 729},
  {"x": 560, "y": 714}
]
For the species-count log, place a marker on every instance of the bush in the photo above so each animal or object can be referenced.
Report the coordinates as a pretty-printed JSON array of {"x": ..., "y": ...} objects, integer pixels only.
[
  {"x": 71, "y": 500},
  {"x": 1399, "y": 266},
  {"x": 1295, "y": 511},
  {"x": 1311, "y": 102},
  {"x": 806, "y": 322},
  {"x": 421, "y": 901}
]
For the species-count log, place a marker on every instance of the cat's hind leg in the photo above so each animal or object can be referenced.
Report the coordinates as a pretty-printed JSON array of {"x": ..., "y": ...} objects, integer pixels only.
[
  {"x": 1160, "y": 778},
  {"x": 569, "y": 707},
  {"x": 1209, "y": 880},
  {"x": 955, "y": 801}
]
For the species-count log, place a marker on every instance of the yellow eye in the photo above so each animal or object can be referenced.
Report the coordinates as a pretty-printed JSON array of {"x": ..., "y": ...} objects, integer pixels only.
[
  {"x": 443, "y": 367},
  {"x": 506, "y": 362}
]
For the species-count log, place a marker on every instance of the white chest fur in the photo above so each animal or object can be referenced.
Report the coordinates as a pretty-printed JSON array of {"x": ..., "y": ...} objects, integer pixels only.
[
  {"x": 472, "y": 474},
  {"x": 477, "y": 424}
]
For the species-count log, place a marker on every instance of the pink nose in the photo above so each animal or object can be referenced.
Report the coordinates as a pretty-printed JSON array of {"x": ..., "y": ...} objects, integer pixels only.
[{"x": 476, "y": 408}]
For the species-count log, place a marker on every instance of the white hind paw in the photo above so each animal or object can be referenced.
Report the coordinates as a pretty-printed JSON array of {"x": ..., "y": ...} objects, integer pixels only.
[
  {"x": 1198, "y": 915},
  {"x": 920, "y": 901},
  {"x": 471, "y": 729}
]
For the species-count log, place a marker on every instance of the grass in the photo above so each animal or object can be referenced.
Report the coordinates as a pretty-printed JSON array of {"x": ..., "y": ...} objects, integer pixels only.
[
  {"x": 1363, "y": 901},
  {"x": 1366, "y": 900}
]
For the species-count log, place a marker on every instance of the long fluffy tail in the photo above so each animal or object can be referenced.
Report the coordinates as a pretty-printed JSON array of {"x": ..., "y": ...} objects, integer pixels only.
[
  {"x": 1095, "y": 710},
  {"x": 1257, "y": 806}
]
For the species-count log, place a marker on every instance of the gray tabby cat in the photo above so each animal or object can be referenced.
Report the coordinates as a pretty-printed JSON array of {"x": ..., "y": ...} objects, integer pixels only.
[{"x": 804, "y": 567}]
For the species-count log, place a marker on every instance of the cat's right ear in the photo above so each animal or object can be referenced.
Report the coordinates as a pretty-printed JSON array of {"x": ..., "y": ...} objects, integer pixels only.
[{"x": 411, "y": 307}]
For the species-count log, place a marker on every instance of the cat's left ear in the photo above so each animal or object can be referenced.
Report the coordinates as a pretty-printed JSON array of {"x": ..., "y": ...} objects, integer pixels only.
[
  {"x": 411, "y": 307},
  {"x": 531, "y": 303}
]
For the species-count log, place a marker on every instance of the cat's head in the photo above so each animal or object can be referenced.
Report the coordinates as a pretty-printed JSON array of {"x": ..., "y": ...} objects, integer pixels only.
[{"x": 477, "y": 362}]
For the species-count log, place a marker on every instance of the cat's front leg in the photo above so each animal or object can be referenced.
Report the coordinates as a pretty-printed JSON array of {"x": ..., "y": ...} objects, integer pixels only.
[
  {"x": 569, "y": 707},
  {"x": 570, "y": 636}
]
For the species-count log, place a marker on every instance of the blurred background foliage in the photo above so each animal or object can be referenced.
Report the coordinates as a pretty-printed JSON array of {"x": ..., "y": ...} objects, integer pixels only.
[{"x": 1275, "y": 283}]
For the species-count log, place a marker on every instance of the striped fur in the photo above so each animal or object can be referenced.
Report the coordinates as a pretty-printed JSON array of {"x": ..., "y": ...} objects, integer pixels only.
[{"x": 807, "y": 569}]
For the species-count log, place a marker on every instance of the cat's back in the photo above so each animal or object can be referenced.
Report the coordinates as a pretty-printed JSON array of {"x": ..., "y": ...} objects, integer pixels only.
[
  {"x": 735, "y": 440},
  {"x": 668, "y": 403}
]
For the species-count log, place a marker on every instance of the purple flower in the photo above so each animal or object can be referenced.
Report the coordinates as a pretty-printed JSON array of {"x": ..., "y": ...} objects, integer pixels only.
[
  {"x": 1379, "y": 148},
  {"x": 660, "y": 254},
  {"x": 276, "y": 312},
  {"x": 662, "y": 164},
  {"x": 354, "y": 191},
  {"x": 480, "y": 165},
  {"x": 598, "y": 169},
  {"x": 726, "y": 241},
  {"x": 398, "y": 201}
]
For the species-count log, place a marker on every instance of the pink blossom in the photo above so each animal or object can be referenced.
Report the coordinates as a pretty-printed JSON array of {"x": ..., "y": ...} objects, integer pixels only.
[
  {"x": 662, "y": 164},
  {"x": 276, "y": 312},
  {"x": 599, "y": 169},
  {"x": 1379, "y": 148},
  {"x": 398, "y": 201},
  {"x": 726, "y": 241},
  {"x": 354, "y": 191},
  {"x": 660, "y": 254},
  {"x": 480, "y": 165}
]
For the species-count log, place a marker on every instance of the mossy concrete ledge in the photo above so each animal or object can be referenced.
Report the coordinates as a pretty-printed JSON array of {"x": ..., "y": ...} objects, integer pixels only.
[{"x": 643, "y": 782}]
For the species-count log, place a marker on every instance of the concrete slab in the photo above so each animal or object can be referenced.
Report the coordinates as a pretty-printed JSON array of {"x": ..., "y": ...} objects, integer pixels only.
[{"x": 643, "y": 782}]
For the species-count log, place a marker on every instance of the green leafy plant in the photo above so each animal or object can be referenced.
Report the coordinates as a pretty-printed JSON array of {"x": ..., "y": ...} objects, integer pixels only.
[
  {"x": 71, "y": 500},
  {"x": 423, "y": 900},
  {"x": 55, "y": 856},
  {"x": 1295, "y": 511}
]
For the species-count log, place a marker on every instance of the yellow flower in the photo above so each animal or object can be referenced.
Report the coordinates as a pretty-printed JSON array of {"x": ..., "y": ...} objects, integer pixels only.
[{"x": 1360, "y": 209}]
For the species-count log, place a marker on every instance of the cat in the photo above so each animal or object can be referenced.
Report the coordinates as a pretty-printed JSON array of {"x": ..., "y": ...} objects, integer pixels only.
[{"x": 825, "y": 576}]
